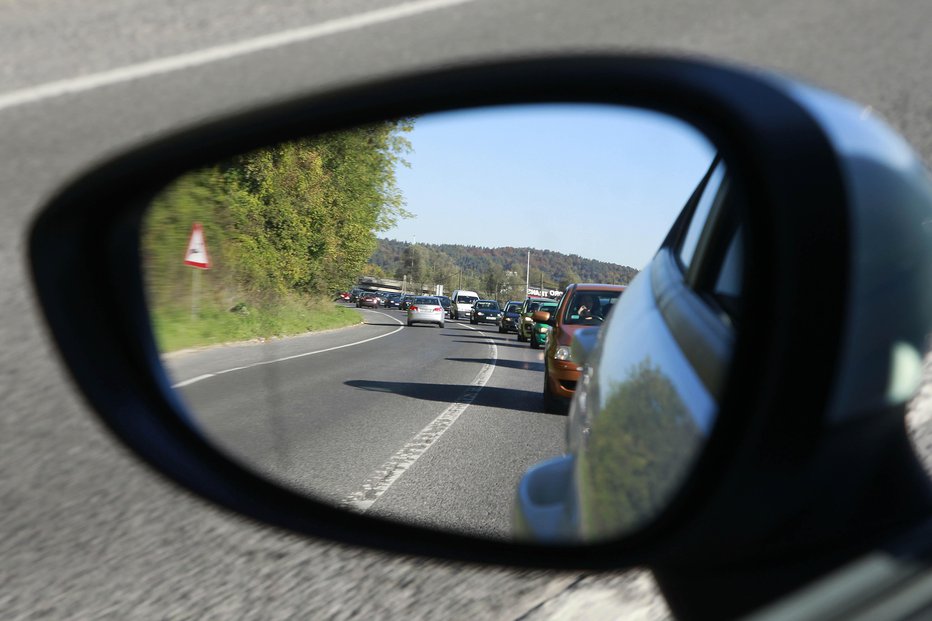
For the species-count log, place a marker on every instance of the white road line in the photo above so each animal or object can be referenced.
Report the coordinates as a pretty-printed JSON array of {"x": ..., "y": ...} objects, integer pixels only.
[
  {"x": 383, "y": 478},
  {"x": 209, "y": 55},
  {"x": 302, "y": 355},
  {"x": 193, "y": 380}
]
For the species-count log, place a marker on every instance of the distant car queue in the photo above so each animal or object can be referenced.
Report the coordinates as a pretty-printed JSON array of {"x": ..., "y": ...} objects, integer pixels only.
[{"x": 543, "y": 323}]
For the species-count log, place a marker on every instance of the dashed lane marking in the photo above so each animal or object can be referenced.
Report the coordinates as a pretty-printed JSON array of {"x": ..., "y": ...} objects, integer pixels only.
[{"x": 392, "y": 470}]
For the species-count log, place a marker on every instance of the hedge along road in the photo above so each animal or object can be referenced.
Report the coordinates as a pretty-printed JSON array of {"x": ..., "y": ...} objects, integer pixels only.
[{"x": 417, "y": 423}]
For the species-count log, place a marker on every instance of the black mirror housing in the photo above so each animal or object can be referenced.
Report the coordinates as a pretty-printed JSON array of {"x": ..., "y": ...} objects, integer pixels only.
[{"x": 773, "y": 461}]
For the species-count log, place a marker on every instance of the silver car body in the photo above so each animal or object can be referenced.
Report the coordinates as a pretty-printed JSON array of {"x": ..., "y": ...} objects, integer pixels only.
[{"x": 425, "y": 309}]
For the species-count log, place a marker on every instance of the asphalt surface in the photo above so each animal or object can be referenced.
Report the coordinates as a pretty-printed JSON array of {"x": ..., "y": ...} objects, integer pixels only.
[
  {"x": 86, "y": 532},
  {"x": 324, "y": 413}
]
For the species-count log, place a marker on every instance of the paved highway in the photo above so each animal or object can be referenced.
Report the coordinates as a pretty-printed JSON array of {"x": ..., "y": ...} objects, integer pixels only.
[
  {"x": 86, "y": 532},
  {"x": 422, "y": 424}
]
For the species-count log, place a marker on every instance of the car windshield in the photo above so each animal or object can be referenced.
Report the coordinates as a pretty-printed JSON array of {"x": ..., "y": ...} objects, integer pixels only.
[
  {"x": 590, "y": 307},
  {"x": 487, "y": 305},
  {"x": 433, "y": 301},
  {"x": 466, "y": 299},
  {"x": 512, "y": 308}
]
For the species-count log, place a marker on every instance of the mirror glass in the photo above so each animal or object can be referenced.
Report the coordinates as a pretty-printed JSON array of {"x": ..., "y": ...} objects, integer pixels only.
[{"x": 350, "y": 314}]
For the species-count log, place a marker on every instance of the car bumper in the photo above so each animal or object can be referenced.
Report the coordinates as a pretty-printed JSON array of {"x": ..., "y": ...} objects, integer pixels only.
[
  {"x": 425, "y": 317},
  {"x": 563, "y": 375}
]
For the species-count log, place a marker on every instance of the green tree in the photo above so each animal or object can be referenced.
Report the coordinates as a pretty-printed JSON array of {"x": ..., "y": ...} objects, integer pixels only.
[
  {"x": 294, "y": 219},
  {"x": 642, "y": 442}
]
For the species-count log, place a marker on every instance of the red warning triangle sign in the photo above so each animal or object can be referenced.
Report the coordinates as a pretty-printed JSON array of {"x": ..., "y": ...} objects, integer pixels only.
[{"x": 196, "y": 254}]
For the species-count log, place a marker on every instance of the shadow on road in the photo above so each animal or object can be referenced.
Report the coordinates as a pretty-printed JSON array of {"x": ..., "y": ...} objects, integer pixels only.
[
  {"x": 497, "y": 344},
  {"x": 526, "y": 365},
  {"x": 475, "y": 335},
  {"x": 489, "y": 396}
]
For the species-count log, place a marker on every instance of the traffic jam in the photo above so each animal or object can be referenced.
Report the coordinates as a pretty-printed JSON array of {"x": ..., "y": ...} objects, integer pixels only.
[{"x": 544, "y": 323}]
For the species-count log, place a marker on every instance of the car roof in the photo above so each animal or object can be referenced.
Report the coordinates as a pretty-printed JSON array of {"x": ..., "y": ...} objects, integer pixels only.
[{"x": 590, "y": 286}]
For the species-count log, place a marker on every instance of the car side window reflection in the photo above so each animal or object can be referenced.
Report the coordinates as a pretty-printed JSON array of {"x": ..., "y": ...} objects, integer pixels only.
[
  {"x": 700, "y": 215},
  {"x": 727, "y": 288}
]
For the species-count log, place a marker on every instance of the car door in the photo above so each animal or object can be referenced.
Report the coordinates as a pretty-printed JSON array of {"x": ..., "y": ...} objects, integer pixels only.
[
  {"x": 652, "y": 395},
  {"x": 649, "y": 394}
]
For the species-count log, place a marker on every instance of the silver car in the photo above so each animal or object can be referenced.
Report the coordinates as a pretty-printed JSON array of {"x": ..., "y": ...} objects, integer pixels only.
[
  {"x": 641, "y": 381},
  {"x": 425, "y": 309}
]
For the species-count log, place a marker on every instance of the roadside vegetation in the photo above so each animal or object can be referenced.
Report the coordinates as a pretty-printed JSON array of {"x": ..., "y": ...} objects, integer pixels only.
[
  {"x": 286, "y": 227},
  {"x": 176, "y": 328}
]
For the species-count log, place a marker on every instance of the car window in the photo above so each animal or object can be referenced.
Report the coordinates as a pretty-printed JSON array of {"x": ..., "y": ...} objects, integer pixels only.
[
  {"x": 590, "y": 307},
  {"x": 700, "y": 215},
  {"x": 717, "y": 267}
]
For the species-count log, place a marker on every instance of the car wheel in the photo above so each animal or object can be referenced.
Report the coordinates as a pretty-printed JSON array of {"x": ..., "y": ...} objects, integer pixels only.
[
  {"x": 534, "y": 343},
  {"x": 501, "y": 330},
  {"x": 552, "y": 403},
  {"x": 410, "y": 323},
  {"x": 440, "y": 325},
  {"x": 521, "y": 338}
]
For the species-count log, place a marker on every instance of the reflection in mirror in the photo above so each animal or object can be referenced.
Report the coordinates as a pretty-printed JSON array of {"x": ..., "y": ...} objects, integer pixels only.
[{"x": 352, "y": 314}]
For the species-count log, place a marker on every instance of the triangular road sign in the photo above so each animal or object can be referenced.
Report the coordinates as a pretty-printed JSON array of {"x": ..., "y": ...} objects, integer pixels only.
[{"x": 196, "y": 254}]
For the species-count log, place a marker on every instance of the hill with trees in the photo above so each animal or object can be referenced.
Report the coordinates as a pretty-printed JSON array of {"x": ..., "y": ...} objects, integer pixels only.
[{"x": 493, "y": 272}]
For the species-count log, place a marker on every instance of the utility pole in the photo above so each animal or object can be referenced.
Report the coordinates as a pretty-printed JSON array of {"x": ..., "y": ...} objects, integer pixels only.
[{"x": 527, "y": 274}]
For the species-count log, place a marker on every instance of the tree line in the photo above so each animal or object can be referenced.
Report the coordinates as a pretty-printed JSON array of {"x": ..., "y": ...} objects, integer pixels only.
[{"x": 494, "y": 272}]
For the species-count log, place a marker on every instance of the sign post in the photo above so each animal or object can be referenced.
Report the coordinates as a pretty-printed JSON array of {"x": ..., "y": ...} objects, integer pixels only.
[{"x": 196, "y": 256}]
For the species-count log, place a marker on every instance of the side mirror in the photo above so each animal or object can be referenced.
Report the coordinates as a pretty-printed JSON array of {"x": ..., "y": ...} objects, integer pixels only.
[
  {"x": 541, "y": 317},
  {"x": 733, "y": 406}
]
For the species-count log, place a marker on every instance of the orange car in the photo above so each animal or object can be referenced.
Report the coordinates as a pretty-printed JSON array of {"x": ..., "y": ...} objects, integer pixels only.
[{"x": 582, "y": 306}]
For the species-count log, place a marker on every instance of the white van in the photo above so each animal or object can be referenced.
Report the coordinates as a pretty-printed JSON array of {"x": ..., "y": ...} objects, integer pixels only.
[{"x": 462, "y": 302}]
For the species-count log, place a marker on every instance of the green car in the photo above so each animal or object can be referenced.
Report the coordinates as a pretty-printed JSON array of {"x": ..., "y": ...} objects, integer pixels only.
[
  {"x": 525, "y": 323},
  {"x": 539, "y": 331}
]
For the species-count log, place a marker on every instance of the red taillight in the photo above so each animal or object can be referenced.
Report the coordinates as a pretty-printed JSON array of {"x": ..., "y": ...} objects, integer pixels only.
[
  {"x": 414, "y": 308},
  {"x": 438, "y": 309}
]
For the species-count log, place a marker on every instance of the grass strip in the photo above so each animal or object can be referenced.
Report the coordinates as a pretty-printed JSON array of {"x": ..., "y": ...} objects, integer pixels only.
[{"x": 177, "y": 329}]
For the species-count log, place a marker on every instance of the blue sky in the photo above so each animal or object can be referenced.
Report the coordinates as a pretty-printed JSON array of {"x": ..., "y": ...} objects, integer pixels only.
[{"x": 603, "y": 182}]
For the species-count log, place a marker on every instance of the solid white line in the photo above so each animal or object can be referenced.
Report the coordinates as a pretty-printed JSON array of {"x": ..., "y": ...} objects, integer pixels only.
[
  {"x": 307, "y": 353},
  {"x": 383, "y": 478},
  {"x": 209, "y": 55},
  {"x": 193, "y": 380}
]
